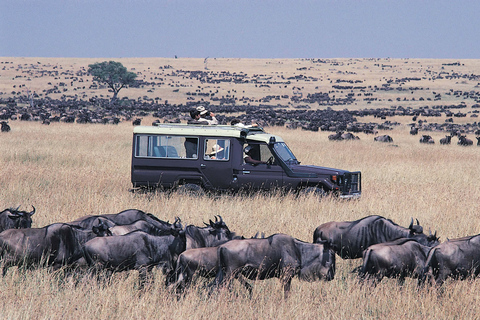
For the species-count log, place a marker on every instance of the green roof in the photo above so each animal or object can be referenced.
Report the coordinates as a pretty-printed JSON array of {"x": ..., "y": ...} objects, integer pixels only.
[{"x": 256, "y": 134}]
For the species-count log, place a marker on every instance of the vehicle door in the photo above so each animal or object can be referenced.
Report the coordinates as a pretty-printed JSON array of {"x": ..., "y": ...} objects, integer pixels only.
[
  {"x": 216, "y": 165},
  {"x": 259, "y": 176}
]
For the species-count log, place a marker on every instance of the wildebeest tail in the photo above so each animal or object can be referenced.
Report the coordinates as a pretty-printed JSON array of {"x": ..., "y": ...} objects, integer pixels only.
[
  {"x": 428, "y": 266},
  {"x": 362, "y": 272}
]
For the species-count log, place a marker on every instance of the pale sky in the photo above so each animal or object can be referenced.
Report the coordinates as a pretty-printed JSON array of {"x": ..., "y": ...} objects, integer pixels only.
[{"x": 240, "y": 29}]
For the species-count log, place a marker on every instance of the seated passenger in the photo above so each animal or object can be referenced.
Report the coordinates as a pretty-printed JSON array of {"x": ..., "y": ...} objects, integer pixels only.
[
  {"x": 250, "y": 156},
  {"x": 217, "y": 152}
]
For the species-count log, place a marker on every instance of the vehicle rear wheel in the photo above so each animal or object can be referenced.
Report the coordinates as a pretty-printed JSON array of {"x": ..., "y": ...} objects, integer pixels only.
[{"x": 191, "y": 189}]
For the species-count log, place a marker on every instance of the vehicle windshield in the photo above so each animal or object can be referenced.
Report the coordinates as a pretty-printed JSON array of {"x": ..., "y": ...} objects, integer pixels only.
[{"x": 284, "y": 153}]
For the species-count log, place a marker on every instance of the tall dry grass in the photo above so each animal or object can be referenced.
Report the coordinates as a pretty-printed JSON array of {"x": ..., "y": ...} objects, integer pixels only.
[{"x": 70, "y": 170}]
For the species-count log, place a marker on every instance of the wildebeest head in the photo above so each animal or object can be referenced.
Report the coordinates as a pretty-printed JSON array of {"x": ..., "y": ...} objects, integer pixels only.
[
  {"x": 415, "y": 229},
  {"x": 318, "y": 262},
  {"x": 177, "y": 228},
  {"x": 219, "y": 227},
  {"x": 19, "y": 219},
  {"x": 102, "y": 229}
]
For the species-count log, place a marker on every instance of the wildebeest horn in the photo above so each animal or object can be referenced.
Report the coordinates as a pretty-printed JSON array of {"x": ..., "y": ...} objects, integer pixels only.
[
  {"x": 411, "y": 224},
  {"x": 216, "y": 219},
  {"x": 33, "y": 211},
  {"x": 418, "y": 223}
]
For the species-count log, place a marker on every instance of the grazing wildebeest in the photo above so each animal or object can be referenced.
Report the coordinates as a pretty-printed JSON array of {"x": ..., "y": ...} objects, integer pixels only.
[
  {"x": 5, "y": 126},
  {"x": 122, "y": 218},
  {"x": 464, "y": 141},
  {"x": 426, "y": 139},
  {"x": 456, "y": 258},
  {"x": 141, "y": 225},
  {"x": 15, "y": 219},
  {"x": 60, "y": 244},
  {"x": 350, "y": 238},
  {"x": 137, "y": 122},
  {"x": 336, "y": 137},
  {"x": 197, "y": 262},
  {"x": 136, "y": 250},
  {"x": 212, "y": 235},
  {"x": 478, "y": 141},
  {"x": 279, "y": 255},
  {"x": 384, "y": 138},
  {"x": 397, "y": 259},
  {"x": 446, "y": 140},
  {"x": 413, "y": 130},
  {"x": 349, "y": 136}
]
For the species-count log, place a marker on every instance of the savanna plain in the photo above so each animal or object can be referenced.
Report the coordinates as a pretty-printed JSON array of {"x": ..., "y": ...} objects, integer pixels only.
[{"x": 70, "y": 170}]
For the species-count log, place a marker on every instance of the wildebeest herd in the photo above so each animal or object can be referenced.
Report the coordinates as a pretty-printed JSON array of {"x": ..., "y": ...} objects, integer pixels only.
[{"x": 135, "y": 240}]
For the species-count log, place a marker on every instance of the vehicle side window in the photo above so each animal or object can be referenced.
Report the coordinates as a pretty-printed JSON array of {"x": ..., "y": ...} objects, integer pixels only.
[
  {"x": 217, "y": 149},
  {"x": 259, "y": 152},
  {"x": 163, "y": 146}
]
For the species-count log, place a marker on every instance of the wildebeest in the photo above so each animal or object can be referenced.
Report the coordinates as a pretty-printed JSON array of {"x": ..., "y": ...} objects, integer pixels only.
[
  {"x": 464, "y": 141},
  {"x": 400, "y": 258},
  {"x": 136, "y": 250},
  {"x": 141, "y": 225},
  {"x": 122, "y": 218},
  {"x": 213, "y": 234},
  {"x": 413, "y": 130},
  {"x": 5, "y": 126},
  {"x": 384, "y": 138},
  {"x": 336, "y": 137},
  {"x": 59, "y": 244},
  {"x": 427, "y": 139},
  {"x": 446, "y": 140},
  {"x": 349, "y": 136},
  {"x": 478, "y": 141},
  {"x": 456, "y": 258},
  {"x": 15, "y": 219},
  {"x": 279, "y": 255},
  {"x": 197, "y": 262},
  {"x": 350, "y": 238}
]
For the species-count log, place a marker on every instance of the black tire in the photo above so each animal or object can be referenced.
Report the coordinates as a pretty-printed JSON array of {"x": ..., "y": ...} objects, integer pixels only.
[{"x": 191, "y": 189}]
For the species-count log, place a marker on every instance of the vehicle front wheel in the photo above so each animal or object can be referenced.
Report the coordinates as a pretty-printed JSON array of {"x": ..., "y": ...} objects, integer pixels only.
[
  {"x": 190, "y": 189},
  {"x": 315, "y": 191}
]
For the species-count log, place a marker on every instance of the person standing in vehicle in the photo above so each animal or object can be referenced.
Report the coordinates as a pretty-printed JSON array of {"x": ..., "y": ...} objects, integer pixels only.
[{"x": 206, "y": 115}]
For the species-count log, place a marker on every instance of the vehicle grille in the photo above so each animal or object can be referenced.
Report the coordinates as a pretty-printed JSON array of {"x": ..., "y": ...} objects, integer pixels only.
[{"x": 352, "y": 182}]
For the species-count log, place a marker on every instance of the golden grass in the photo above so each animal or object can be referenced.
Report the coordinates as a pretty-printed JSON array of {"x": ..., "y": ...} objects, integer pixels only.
[{"x": 70, "y": 170}]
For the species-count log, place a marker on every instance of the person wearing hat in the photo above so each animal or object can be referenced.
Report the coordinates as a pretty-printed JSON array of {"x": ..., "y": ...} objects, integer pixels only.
[
  {"x": 250, "y": 156},
  {"x": 206, "y": 115},
  {"x": 195, "y": 115}
]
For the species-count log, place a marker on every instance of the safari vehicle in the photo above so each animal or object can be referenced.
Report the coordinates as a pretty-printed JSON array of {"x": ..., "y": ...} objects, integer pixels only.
[{"x": 212, "y": 158}]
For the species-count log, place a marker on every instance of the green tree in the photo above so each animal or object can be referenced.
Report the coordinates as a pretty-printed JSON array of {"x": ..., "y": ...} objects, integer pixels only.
[{"x": 112, "y": 73}]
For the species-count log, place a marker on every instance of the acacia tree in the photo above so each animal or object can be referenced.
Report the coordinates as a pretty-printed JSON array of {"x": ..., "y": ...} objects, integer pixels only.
[{"x": 112, "y": 73}]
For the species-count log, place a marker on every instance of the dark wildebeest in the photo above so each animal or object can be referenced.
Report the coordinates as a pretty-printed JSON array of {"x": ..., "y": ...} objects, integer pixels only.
[
  {"x": 279, "y": 256},
  {"x": 397, "y": 259},
  {"x": 5, "y": 126},
  {"x": 413, "y": 130},
  {"x": 478, "y": 141},
  {"x": 137, "y": 122},
  {"x": 196, "y": 262},
  {"x": 59, "y": 244},
  {"x": 122, "y": 218},
  {"x": 456, "y": 258},
  {"x": 427, "y": 139},
  {"x": 384, "y": 138},
  {"x": 336, "y": 137},
  {"x": 15, "y": 219},
  {"x": 140, "y": 225},
  {"x": 446, "y": 140},
  {"x": 349, "y": 136},
  {"x": 212, "y": 235},
  {"x": 464, "y": 141},
  {"x": 350, "y": 238},
  {"x": 137, "y": 250}
]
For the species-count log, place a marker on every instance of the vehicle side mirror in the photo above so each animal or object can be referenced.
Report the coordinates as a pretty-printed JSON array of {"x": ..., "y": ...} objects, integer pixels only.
[{"x": 272, "y": 140}]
